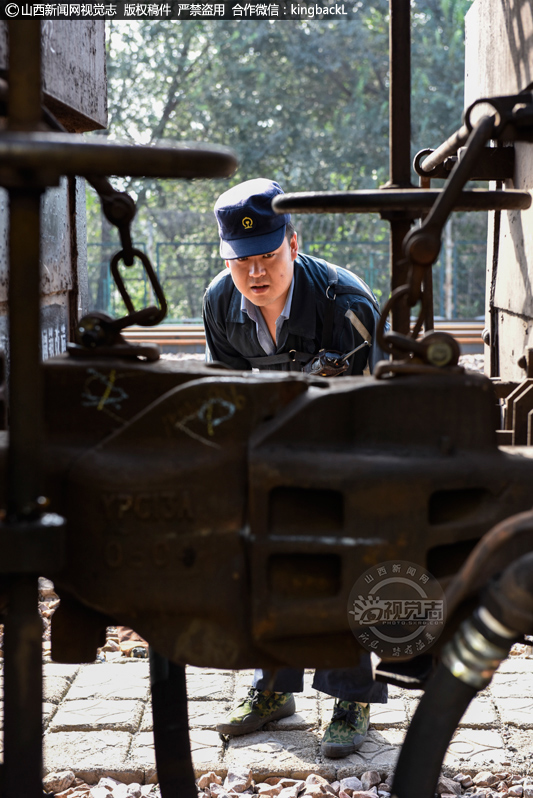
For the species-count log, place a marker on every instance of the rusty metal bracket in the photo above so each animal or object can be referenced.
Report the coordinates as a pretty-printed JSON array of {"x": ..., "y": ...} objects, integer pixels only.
[
  {"x": 430, "y": 354},
  {"x": 493, "y": 163},
  {"x": 504, "y": 543},
  {"x": 119, "y": 209},
  {"x": 147, "y": 317},
  {"x": 517, "y": 406},
  {"x": 98, "y": 330},
  {"x": 422, "y": 244},
  {"x": 513, "y": 121}
]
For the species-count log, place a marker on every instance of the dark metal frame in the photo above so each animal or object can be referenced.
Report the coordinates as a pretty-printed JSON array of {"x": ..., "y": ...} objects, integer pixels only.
[{"x": 29, "y": 162}]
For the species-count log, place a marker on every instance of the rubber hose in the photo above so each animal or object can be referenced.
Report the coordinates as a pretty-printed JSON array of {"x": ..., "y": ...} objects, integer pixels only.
[
  {"x": 171, "y": 728},
  {"x": 437, "y": 716}
]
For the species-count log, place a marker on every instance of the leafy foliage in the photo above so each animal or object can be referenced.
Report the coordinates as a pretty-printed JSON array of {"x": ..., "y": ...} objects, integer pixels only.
[{"x": 303, "y": 102}]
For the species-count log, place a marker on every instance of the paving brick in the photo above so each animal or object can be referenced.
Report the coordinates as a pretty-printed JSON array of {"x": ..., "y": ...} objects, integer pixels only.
[
  {"x": 111, "y": 681},
  {"x": 206, "y": 750},
  {"x": 516, "y": 711},
  {"x": 55, "y": 688},
  {"x": 48, "y": 712},
  {"x": 393, "y": 713},
  {"x": 412, "y": 705},
  {"x": 202, "y": 715},
  {"x": 89, "y": 754},
  {"x": 108, "y": 710},
  {"x": 209, "y": 685},
  {"x": 67, "y": 671},
  {"x": 401, "y": 692},
  {"x": 147, "y": 722},
  {"x": 142, "y": 753},
  {"x": 516, "y": 665},
  {"x": 269, "y": 753},
  {"x": 192, "y": 669},
  {"x": 509, "y": 685},
  {"x": 96, "y": 714},
  {"x": 481, "y": 714},
  {"x": 477, "y": 747},
  {"x": 326, "y": 705},
  {"x": 309, "y": 690},
  {"x": 379, "y": 752},
  {"x": 206, "y": 714}
]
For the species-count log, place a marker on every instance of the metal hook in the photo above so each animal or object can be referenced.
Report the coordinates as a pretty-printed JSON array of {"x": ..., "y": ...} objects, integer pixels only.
[{"x": 146, "y": 317}]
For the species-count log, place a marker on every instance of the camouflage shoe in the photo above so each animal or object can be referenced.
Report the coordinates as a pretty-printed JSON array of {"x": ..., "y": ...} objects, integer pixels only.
[
  {"x": 347, "y": 730},
  {"x": 257, "y": 709}
]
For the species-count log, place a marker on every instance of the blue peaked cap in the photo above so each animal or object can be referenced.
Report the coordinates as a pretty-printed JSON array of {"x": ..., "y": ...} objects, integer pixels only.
[{"x": 246, "y": 222}]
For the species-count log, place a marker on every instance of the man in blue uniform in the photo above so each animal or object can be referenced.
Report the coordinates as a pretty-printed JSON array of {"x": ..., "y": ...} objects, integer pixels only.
[{"x": 273, "y": 308}]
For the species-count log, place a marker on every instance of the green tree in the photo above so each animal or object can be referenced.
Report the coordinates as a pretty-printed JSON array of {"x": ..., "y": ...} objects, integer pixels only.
[{"x": 303, "y": 102}]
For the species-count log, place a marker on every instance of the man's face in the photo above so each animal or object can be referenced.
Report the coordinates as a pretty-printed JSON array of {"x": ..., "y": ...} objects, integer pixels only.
[{"x": 265, "y": 279}]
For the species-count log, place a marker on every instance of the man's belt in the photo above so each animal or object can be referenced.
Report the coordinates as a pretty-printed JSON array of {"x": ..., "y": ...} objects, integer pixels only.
[{"x": 296, "y": 359}]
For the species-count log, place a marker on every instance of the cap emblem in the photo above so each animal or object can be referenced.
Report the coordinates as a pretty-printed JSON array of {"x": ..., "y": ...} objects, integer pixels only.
[{"x": 247, "y": 223}]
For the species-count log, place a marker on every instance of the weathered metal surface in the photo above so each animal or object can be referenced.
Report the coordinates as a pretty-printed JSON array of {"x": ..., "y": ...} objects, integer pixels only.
[
  {"x": 134, "y": 463},
  {"x": 24, "y": 485},
  {"x": 422, "y": 244},
  {"x": 30, "y": 163},
  {"x": 250, "y": 503},
  {"x": 517, "y": 408},
  {"x": 75, "y": 89},
  {"x": 494, "y": 163},
  {"x": 505, "y": 543},
  {"x": 63, "y": 282},
  {"x": 74, "y": 77},
  {"x": 510, "y": 276},
  {"x": 417, "y": 202},
  {"x": 498, "y": 48},
  {"x": 499, "y": 42},
  {"x": 46, "y": 156},
  {"x": 399, "y": 145},
  {"x": 448, "y": 148}
]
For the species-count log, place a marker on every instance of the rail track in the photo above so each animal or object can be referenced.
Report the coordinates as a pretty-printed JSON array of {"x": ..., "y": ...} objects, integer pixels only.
[{"x": 190, "y": 338}]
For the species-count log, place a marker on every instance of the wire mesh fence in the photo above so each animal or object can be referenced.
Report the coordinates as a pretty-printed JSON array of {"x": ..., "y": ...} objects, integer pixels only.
[{"x": 186, "y": 268}]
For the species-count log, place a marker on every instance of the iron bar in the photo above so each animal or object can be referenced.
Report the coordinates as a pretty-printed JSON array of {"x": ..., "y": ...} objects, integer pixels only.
[
  {"x": 400, "y": 93},
  {"x": 70, "y": 154},
  {"x": 423, "y": 244},
  {"x": 447, "y": 201},
  {"x": 23, "y": 632},
  {"x": 23, "y": 627},
  {"x": 171, "y": 728},
  {"x": 447, "y": 149},
  {"x": 399, "y": 143},
  {"x": 25, "y": 390},
  {"x": 412, "y": 200},
  {"x": 427, "y": 287},
  {"x": 427, "y": 283},
  {"x": 24, "y": 75}
]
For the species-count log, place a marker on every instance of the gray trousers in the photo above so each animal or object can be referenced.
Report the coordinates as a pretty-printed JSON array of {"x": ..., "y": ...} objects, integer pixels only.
[{"x": 347, "y": 684}]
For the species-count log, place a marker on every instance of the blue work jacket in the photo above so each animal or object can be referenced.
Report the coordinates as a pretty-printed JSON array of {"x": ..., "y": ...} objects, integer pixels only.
[{"x": 232, "y": 337}]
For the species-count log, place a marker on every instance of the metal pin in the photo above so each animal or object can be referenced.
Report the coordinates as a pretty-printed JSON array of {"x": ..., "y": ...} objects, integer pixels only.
[{"x": 357, "y": 348}]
